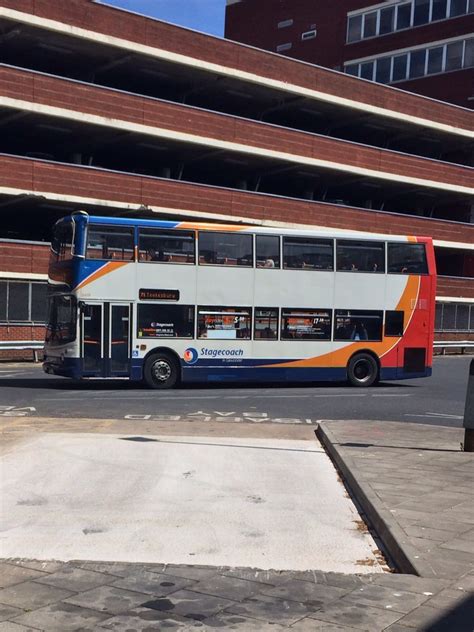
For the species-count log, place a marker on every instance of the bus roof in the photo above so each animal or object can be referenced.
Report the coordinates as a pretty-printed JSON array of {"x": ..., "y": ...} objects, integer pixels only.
[{"x": 319, "y": 231}]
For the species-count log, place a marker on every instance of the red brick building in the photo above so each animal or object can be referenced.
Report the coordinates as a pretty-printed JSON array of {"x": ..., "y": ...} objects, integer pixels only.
[
  {"x": 425, "y": 46},
  {"x": 116, "y": 113}
]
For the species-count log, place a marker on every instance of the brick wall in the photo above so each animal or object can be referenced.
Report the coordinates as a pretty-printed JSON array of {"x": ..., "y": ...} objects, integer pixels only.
[
  {"x": 135, "y": 28},
  {"x": 63, "y": 93},
  {"x": 24, "y": 257}
]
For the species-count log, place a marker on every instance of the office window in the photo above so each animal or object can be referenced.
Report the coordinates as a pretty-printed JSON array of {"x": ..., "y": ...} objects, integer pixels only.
[
  {"x": 307, "y": 253},
  {"x": 309, "y": 35},
  {"x": 354, "y": 28},
  {"x": 435, "y": 60},
  {"x": 225, "y": 323},
  {"x": 110, "y": 242},
  {"x": 358, "y": 325},
  {"x": 284, "y": 24},
  {"x": 225, "y": 249},
  {"x": 400, "y": 66},
  {"x": 439, "y": 10},
  {"x": 458, "y": 7},
  {"x": 166, "y": 246},
  {"x": 268, "y": 251},
  {"x": 387, "y": 20},
  {"x": 417, "y": 63},
  {"x": 266, "y": 323},
  {"x": 404, "y": 16},
  {"x": 367, "y": 70},
  {"x": 39, "y": 302},
  {"x": 282, "y": 47},
  {"x": 352, "y": 69},
  {"x": 157, "y": 320},
  {"x": 18, "y": 301},
  {"x": 3, "y": 300},
  {"x": 469, "y": 54},
  {"x": 370, "y": 24},
  {"x": 454, "y": 56},
  {"x": 382, "y": 74},
  {"x": 360, "y": 256},
  {"x": 306, "y": 324},
  {"x": 470, "y": 6},
  {"x": 23, "y": 301},
  {"x": 421, "y": 13}
]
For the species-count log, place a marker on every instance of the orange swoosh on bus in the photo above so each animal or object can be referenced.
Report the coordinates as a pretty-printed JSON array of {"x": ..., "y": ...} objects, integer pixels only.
[
  {"x": 340, "y": 357},
  {"x": 111, "y": 266}
]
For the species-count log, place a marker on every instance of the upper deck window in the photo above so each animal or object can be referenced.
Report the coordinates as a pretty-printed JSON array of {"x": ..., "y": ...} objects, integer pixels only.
[
  {"x": 407, "y": 259},
  {"x": 308, "y": 253},
  {"x": 166, "y": 246},
  {"x": 360, "y": 256},
  {"x": 110, "y": 242},
  {"x": 268, "y": 251},
  {"x": 225, "y": 249}
]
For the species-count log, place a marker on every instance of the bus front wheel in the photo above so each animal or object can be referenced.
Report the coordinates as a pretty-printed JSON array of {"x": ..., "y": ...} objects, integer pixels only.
[
  {"x": 161, "y": 371},
  {"x": 362, "y": 370}
]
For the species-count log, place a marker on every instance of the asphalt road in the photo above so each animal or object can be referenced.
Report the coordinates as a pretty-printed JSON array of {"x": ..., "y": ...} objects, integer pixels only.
[{"x": 26, "y": 391}]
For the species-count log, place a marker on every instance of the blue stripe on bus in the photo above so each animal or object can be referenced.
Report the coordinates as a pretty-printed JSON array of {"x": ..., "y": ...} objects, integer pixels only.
[{"x": 123, "y": 221}]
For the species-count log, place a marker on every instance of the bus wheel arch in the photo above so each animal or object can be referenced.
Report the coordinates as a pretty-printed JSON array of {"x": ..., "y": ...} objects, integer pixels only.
[
  {"x": 363, "y": 368},
  {"x": 161, "y": 368}
]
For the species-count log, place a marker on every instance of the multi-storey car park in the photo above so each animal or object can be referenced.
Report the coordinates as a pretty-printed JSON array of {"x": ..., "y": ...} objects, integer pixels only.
[{"x": 119, "y": 114}]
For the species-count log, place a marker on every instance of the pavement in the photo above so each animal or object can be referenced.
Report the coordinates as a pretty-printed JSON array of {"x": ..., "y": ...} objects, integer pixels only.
[{"x": 414, "y": 487}]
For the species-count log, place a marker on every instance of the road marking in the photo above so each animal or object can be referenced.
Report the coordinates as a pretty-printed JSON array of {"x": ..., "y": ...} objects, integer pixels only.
[
  {"x": 434, "y": 416},
  {"x": 392, "y": 395},
  {"x": 16, "y": 411},
  {"x": 222, "y": 417}
]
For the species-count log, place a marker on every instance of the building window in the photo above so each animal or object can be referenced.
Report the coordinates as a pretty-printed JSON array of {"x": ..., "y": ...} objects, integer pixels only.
[
  {"x": 309, "y": 35},
  {"x": 225, "y": 323},
  {"x": 282, "y": 47},
  {"x": 401, "y": 16},
  {"x": 156, "y": 320},
  {"x": 23, "y": 301},
  {"x": 454, "y": 317},
  {"x": 416, "y": 63},
  {"x": 285, "y": 24},
  {"x": 354, "y": 28}
]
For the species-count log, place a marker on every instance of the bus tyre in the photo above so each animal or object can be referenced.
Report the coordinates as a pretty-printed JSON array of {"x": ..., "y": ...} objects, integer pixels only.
[
  {"x": 362, "y": 370},
  {"x": 161, "y": 371}
]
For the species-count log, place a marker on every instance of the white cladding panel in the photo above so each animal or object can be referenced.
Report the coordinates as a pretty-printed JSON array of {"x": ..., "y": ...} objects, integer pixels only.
[
  {"x": 225, "y": 286},
  {"x": 293, "y": 288},
  {"x": 359, "y": 290}
]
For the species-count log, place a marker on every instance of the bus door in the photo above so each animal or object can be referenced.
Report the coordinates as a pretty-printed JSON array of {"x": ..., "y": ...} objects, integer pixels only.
[{"x": 105, "y": 339}]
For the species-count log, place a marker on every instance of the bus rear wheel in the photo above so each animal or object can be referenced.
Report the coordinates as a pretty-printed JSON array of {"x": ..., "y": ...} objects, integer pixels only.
[
  {"x": 161, "y": 371},
  {"x": 362, "y": 370}
]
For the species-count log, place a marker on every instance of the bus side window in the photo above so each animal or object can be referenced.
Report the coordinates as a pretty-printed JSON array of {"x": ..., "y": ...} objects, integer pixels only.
[
  {"x": 394, "y": 323},
  {"x": 110, "y": 242},
  {"x": 360, "y": 256},
  {"x": 225, "y": 323},
  {"x": 356, "y": 324},
  {"x": 406, "y": 258},
  {"x": 308, "y": 253},
  {"x": 306, "y": 324},
  {"x": 266, "y": 323},
  {"x": 268, "y": 251},
  {"x": 166, "y": 246},
  {"x": 225, "y": 249}
]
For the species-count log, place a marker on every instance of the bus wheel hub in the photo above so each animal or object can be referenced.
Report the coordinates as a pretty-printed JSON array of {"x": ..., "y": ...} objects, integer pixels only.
[{"x": 161, "y": 370}]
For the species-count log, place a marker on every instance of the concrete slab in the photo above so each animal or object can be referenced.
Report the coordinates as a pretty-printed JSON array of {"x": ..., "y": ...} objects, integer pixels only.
[{"x": 264, "y": 503}]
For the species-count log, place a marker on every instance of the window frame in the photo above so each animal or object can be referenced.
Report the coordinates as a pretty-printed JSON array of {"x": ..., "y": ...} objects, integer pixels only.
[{"x": 29, "y": 320}]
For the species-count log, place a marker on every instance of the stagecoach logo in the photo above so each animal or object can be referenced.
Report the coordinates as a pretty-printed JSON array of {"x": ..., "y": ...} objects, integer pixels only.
[{"x": 190, "y": 356}]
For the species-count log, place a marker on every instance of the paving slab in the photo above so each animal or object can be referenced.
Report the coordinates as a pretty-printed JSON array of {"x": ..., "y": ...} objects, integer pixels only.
[{"x": 263, "y": 503}]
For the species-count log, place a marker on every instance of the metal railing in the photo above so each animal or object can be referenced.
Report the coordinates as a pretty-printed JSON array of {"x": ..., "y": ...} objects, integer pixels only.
[
  {"x": 23, "y": 345},
  {"x": 453, "y": 344}
]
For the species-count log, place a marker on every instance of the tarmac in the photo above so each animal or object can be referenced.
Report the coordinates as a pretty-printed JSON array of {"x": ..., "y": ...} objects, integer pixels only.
[{"x": 415, "y": 489}]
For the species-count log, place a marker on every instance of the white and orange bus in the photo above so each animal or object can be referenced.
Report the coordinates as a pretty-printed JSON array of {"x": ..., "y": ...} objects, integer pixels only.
[{"x": 171, "y": 301}]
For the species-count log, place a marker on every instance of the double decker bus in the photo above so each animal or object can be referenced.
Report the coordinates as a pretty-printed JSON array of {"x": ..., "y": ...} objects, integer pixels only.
[{"x": 175, "y": 301}]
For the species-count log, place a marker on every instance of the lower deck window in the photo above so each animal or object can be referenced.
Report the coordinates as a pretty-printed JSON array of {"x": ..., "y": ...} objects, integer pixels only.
[
  {"x": 165, "y": 321},
  {"x": 266, "y": 323},
  {"x": 358, "y": 325},
  {"x": 306, "y": 324},
  {"x": 225, "y": 323}
]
